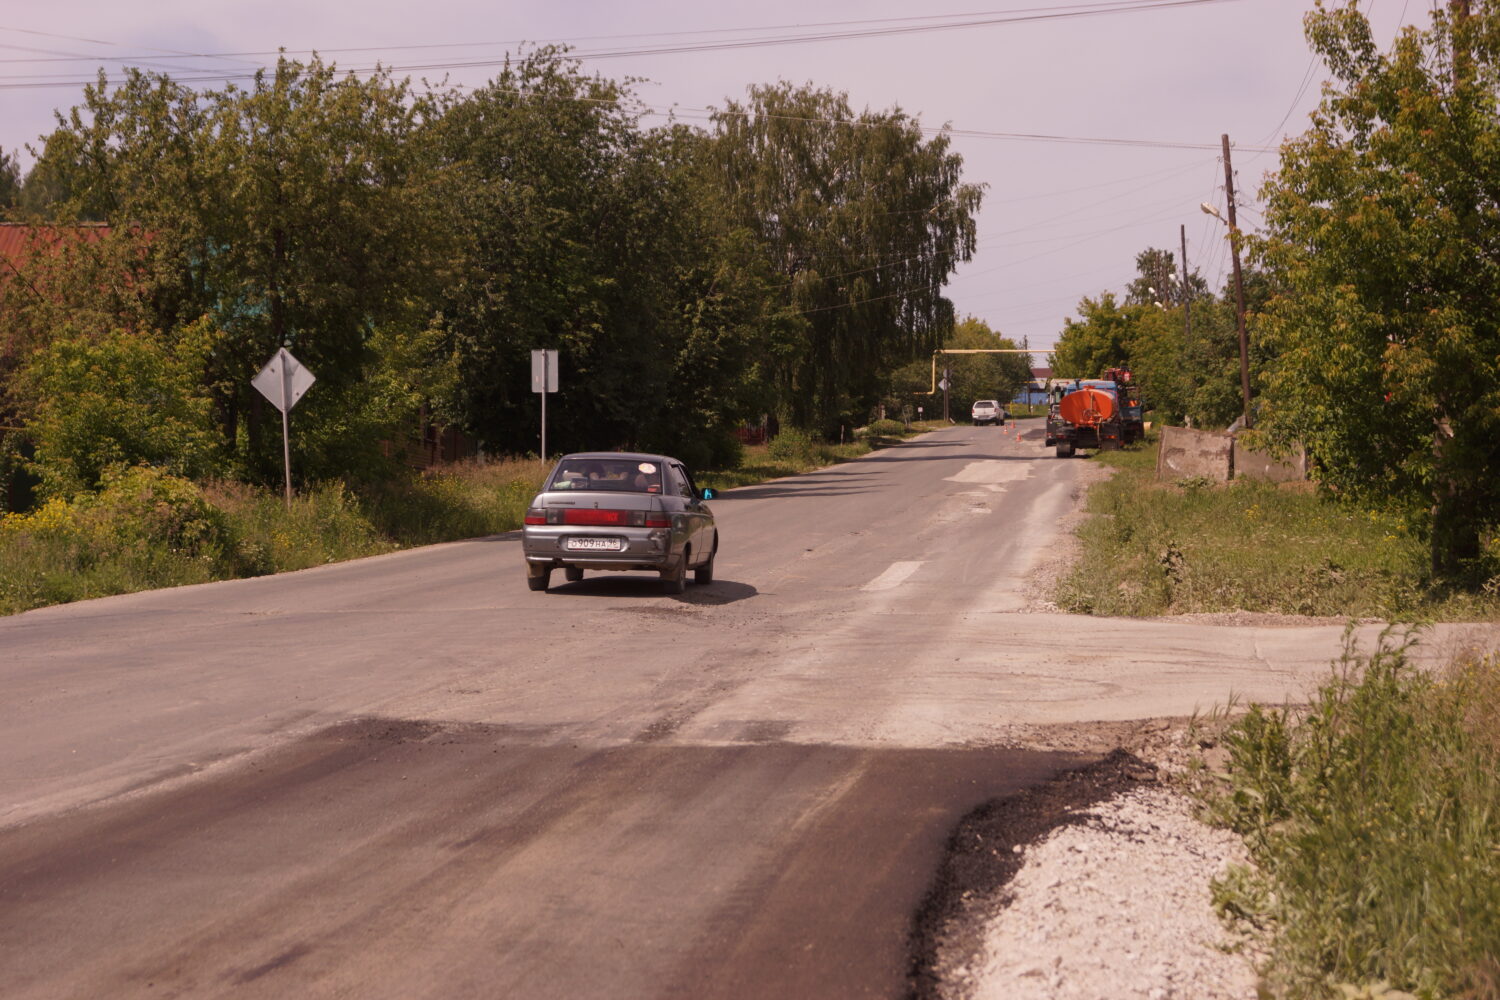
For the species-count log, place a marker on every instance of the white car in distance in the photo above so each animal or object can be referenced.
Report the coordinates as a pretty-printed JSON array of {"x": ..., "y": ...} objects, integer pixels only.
[{"x": 987, "y": 411}]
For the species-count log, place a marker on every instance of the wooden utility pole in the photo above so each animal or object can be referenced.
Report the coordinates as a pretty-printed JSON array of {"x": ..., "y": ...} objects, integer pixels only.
[
  {"x": 1187, "y": 293},
  {"x": 1239, "y": 283}
]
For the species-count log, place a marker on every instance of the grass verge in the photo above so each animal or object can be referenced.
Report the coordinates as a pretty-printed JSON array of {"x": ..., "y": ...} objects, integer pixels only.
[
  {"x": 1195, "y": 546},
  {"x": 145, "y": 530},
  {"x": 1373, "y": 817}
]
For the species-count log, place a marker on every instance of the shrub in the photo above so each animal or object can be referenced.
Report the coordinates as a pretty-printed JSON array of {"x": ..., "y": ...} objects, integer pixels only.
[
  {"x": 120, "y": 399},
  {"x": 793, "y": 444},
  {"x": 143, "y": 529},
  {"x": 726, "y": 451},
  {"x": 886, "y": 428}
]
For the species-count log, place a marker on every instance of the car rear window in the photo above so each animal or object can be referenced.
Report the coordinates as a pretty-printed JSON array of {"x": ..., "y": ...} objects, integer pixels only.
[{"x": 610, "y": 475}]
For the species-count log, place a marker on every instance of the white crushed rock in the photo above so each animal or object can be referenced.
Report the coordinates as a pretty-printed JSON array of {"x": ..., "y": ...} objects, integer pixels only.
[{"x": 1117, "y": 908}]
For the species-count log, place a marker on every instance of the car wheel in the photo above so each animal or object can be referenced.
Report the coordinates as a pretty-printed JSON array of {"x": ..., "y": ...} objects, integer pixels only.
[
  {"x": 674, "y": 580},
  {"x": 705, "y": 573},
  {"x": 572, "y": 574},
  {"x": 538, "y": 579}
]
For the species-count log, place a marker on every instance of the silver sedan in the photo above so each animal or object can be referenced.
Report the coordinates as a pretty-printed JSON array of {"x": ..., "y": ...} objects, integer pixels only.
[{"x": 620, "y": 511}]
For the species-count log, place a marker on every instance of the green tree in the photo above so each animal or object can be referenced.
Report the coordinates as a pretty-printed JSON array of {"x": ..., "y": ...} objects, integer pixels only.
[
  {"x": 587, "y": 234},
  {"x": 982, "y": 376},
  {"x": 93, "y": 403},
  {"x": 294, "y": 212},
  {"x": 10, "y": 182},
  {"x": 1382, "y": 228},
  {"x": 1159, "y": 281},
  {"x": 972, "y": 376},
  {"x": 862, "y": 219},
  {"x": 1183, "y": 374},
  {"x": 1099, "y": 338}
]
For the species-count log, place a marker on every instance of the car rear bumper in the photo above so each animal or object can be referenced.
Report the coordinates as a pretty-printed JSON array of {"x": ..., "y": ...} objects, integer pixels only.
[{"x": 639, "y": 548}]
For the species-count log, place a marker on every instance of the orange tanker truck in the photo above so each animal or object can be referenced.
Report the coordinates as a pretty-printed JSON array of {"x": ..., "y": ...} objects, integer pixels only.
[{"x": 1084, "y": 414}]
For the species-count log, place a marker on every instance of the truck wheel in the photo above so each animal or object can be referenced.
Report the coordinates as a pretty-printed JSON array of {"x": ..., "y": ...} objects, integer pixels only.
[
  {"x": 1064, "y": 449},
  {"x": 538, "y": 579}
]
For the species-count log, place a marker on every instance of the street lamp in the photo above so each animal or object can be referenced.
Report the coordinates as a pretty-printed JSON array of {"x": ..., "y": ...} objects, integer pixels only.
[{"x": 1239, "y": 298}]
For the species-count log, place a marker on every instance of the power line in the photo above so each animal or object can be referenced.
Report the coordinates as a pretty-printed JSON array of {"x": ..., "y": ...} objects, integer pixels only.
[
  {"x": 1068, "y": 192},
  {"x": 877, "y": 27}
]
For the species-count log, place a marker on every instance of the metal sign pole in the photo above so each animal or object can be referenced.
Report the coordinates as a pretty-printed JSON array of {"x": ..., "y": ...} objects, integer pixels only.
[
  {"x": 286, "y": 458},
  {"x": 286, "y": 437},
  {"x": 545, "y": 373}
]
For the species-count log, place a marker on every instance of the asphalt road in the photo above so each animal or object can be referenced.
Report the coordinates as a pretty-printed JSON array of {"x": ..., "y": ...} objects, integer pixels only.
[{"x": 409, "y": 776}]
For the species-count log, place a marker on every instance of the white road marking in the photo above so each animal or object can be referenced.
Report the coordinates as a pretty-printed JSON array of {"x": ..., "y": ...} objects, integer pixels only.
[{"x": 893, "y": 577}]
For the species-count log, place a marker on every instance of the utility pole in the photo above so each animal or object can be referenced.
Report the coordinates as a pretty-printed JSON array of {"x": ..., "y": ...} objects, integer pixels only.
[
  {"x": 1187, "y": 294},
  {"x": 1239, "y": 283}
]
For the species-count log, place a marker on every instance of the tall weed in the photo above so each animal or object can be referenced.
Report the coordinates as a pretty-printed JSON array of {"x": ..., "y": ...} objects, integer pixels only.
[
  {"x": 1194, "y": 546},
  {"x": 142, "y": 529},
  {"x": 464, "y": 500},
  {"x": 324, "y": 524},
  {"x": 1374, "y": 817}
]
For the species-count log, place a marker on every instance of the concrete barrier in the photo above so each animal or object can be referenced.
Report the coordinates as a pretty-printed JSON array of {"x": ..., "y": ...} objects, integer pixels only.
[
  {"x": 1252, "y": 464},
  {"x": 1186, "y": 453}
]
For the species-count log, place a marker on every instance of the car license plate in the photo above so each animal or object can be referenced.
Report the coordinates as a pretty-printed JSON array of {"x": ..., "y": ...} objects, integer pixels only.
[{"x": 593, "y": 544}]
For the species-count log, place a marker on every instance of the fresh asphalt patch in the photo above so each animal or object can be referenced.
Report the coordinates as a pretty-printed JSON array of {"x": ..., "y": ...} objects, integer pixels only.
[{"x": 408, "y": 858}]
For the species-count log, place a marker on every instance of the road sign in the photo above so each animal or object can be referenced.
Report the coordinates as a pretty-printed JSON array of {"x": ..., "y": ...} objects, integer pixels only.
[
  {"x": 943, "y": 385},
  {"x": 543, "y": 381},
  {"x": 543, "y": 371},
  {"x": 283, "y": 381}
]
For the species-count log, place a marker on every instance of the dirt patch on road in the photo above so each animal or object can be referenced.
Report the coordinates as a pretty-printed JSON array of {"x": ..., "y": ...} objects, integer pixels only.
[
  {"x": 984, "y": 853},
  {"x": 1064, "y": 550}
]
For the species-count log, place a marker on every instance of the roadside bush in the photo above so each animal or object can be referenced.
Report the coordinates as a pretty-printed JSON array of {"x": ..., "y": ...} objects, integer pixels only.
[
  {"x": 143, "y": 529},
  {"x": 92, "y": 403},
  {"x": 796, "y": 445},
  {"x": 726, "y": 451},
  {"x": 1374, "y": 818},
  {"x": 886, "y": 428}
]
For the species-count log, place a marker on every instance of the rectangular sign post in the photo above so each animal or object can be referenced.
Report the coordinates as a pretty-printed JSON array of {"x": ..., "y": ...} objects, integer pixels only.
[
  {"x": 283, "y": 381},
  {"x": 544, "y": 380}
]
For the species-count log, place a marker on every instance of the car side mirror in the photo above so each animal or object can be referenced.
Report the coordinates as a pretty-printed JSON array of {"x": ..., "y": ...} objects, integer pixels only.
[{"x": 706, "y": 494}]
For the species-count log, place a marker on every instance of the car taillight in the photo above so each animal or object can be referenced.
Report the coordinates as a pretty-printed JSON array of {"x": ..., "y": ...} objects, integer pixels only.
[{"x": 596, "y": 517}]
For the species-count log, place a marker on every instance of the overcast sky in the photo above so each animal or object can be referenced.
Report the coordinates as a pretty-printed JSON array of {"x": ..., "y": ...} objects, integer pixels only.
[{"x": 1060, "y": 219}]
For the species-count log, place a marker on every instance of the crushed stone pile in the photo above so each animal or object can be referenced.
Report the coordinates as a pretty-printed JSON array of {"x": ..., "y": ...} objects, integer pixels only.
[{"x": 1116, "y": 907}]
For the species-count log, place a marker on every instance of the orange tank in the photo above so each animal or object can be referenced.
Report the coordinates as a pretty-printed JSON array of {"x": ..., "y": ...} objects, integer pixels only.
[{"x": 1087, "y": 407}]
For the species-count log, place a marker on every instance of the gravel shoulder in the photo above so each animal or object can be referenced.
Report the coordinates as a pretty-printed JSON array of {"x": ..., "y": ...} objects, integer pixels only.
[{"x": 1093, "y": 886}]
